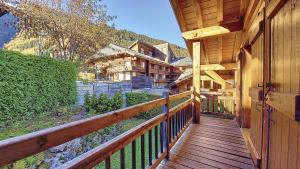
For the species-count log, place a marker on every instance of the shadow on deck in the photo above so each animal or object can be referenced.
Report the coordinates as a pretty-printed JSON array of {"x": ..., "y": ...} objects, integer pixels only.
[{"x": 214, "y": 143}]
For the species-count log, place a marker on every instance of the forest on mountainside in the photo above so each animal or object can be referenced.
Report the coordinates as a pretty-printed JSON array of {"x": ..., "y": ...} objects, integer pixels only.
[{"x": 122, "y": 38}]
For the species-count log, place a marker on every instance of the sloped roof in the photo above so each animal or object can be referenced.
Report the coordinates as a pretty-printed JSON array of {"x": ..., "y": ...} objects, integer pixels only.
[
  {"x": 184, "y": 76},
  {"x": 185, "y": 61},
  {"x": 113, "y": 50}
]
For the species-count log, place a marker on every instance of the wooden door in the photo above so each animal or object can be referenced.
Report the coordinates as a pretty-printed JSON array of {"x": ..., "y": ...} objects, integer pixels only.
[
  {"x": 284, "y": 140},
  {"x": 255, "y": 92}
]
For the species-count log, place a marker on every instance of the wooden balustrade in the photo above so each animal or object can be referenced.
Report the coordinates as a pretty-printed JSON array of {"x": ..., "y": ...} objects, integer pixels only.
[
  {"x": 218, "y": 104},
  {"x": 167, "y": 127}
]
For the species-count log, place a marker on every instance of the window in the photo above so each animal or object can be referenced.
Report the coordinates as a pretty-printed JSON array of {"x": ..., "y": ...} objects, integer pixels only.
[
  {"x": 143, "y": 64},
  {"x": 121, "y": 76},
  {"x": 127, "y": 76},
  {"x": 152, "y": 66},
  {"x": 142, "y": 50}
]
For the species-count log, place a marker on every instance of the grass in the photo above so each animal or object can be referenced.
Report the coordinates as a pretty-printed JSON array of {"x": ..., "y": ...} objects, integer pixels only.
[
  {"x": 39, "y": 122},
  {"x": 115, "y": 159}
]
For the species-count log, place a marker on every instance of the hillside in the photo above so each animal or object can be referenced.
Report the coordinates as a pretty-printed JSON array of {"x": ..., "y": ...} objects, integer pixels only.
[
  {"x": 122, "y": 38},
  {"x": 125, "y": 38}
]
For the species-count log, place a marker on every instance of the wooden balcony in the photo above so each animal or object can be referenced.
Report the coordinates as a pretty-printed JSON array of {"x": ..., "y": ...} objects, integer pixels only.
[
  {"x": 214, "y": 143},
  {"x": 171, "y": 135}
]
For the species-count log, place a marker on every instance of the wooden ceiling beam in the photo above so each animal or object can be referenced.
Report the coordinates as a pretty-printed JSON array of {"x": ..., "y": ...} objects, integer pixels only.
[
  {"x": 243, "y": 8},
  {"x": 225, "y": 66},
  {"x": 217, "y": 78},
  {"x": 220, "y": 11},
  {"x": 198, "y": 13},
  {"x": 209, "y": 32}
]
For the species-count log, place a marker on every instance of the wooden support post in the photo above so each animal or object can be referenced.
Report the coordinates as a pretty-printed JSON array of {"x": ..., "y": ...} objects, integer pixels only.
[
  {"x": 196, "y": 80},
  {"x": 166, "y": 128}
]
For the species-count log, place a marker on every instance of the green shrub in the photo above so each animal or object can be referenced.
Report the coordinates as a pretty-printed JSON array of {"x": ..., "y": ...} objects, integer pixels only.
[
  {"x": 137, "y": 98},
  {"x": 103, "y": 103},
  {"x": 31, "y": 85}
]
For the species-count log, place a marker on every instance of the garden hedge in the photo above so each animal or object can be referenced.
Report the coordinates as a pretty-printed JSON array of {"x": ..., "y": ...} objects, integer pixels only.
[{"x": 30, "y": 85}]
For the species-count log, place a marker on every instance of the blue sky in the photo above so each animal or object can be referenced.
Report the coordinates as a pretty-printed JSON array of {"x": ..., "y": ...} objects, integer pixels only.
[{"x": 153, "y": 18}]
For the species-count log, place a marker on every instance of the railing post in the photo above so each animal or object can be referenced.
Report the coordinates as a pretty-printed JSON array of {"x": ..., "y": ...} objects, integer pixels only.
[
  {"x": 196, "y": 106},
  {"x": 166, "y": 128}
]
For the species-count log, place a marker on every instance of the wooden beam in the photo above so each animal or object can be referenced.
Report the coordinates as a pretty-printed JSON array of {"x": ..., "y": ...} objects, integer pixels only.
[
  {"x": 288, "y": 104},
  {"x": 219, "y": 11},
  {"x": 217, "y": 78},
  {"x": 243, "y": 9},
  {"x": 197, "y": 78},
  {"x": 233, "y": 90},
  {"x": 253, "y": 8},
  {"x": 198, "y": 13},
  {"x": 220, "y": 43},
  {"x": 273, "y": 7},
  {"x": 223, "y": 66},
  {"x": 207, "y": 32},
  {"x": 256, "y": 28}
]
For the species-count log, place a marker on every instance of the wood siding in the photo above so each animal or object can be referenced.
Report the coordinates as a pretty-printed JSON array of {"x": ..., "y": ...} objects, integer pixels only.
[
  {"x": 256, "y": 105},
  {"x": 285, "y": 68}
]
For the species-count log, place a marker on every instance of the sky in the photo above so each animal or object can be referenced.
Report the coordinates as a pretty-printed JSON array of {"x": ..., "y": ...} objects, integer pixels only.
[{"x": 154, "y": 18}]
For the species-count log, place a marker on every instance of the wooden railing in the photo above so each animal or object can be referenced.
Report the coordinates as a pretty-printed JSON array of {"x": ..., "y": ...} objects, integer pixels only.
[
  {"x": 218, "y": 104},
  {"x": 168, "y": 127}
]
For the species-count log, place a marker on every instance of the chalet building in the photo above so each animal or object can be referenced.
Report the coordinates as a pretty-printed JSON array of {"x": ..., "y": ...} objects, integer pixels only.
[
  {"x": 184, "y": 64},
  {"x": 141, "y": 63}
]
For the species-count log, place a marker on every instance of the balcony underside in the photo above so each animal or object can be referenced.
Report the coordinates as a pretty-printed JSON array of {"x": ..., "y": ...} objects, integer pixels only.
[{"x": 214, "y": 143}]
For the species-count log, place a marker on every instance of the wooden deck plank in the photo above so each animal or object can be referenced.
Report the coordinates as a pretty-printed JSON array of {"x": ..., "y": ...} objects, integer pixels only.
[{"x": 214, "y": 143}]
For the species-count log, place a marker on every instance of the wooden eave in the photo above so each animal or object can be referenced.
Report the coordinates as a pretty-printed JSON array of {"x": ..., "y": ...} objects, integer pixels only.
[{"x": 217, "y": 24}]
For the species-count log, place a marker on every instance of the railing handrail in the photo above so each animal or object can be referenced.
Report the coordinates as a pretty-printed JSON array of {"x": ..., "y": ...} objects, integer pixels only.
[
  {"x": 98, "y": 154},
  {"x": 20, "y": 147}
]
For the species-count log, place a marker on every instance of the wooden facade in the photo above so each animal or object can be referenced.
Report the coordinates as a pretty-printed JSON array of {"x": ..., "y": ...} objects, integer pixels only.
[
  {"x": 140, "y": 59},
  {"x": 260, "y": 36}
]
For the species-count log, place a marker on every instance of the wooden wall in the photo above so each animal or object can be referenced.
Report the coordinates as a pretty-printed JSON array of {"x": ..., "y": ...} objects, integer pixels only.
[
  {"x": 285, "y": 74},
  {"x": 256, "y": 106},
  {"x": 246, "y": 72}
]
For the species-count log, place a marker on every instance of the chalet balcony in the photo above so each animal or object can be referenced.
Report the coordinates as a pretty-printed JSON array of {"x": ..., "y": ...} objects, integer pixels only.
[{"x": 174, "y": 139}]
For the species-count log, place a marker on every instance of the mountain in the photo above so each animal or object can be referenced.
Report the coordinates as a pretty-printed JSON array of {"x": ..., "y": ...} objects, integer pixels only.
[
  {"x": 122, "y": 38},
  {"x": 125, "y": 38},
  {"x": 7, "y": 30}
]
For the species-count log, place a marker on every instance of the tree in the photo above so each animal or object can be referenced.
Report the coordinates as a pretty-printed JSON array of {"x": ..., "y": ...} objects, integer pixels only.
[{"x": 73, "y": 29}]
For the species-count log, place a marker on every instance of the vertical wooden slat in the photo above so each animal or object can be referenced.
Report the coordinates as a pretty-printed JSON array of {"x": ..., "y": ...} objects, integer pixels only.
[
  {"x": 156, "y": 142},
  {"x": 161, "y": 138},
  {"x": 166, "y": 132},
  {"x": 143, "y": 151},
  {"x": 150, "y": 147},
  {"x": 107, "y": 163},
  {"x": 122, "y": 158},
  {"x": 173, "y": 127},
  {"x": 133, "y": 155}
]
